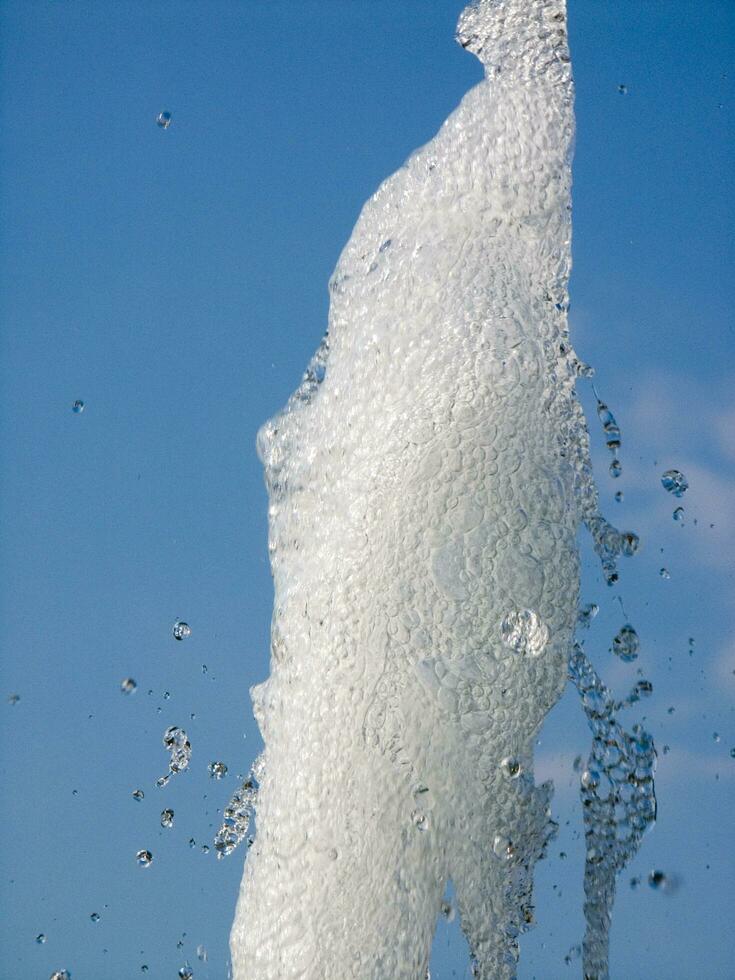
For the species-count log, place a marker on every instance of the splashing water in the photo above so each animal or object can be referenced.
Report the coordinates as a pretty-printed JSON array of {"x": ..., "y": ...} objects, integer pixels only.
[
  {"x": 426, "y": 483},
  {"x": 177, "y": 742}
]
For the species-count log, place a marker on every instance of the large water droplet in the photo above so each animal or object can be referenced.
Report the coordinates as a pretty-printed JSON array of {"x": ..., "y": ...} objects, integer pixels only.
[
  {"x": 503, "y": 847},
  {"x": 163, "y": 119},
  {"x": 675, "y": 482},
  {"x": 144, "y": 858},
  {"x": 511, "y": 767},
  {"x": 524, "y": 632},
  {"x": 181, "y": 630},
  {"x": 626, "y": 643}
]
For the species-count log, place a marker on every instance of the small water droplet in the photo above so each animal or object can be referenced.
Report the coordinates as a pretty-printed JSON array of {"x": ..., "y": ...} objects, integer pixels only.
[
  {"x": 95, "y": 917},
  {"x": 664, "y": 573},
  {"x": 181, "y": 630},
  {"x": 177, "y": 742},
  {"x": 524, "y": 632},
  {"x": 60, "y": 975},
  {"x": 166, "y": 695},
  {"x": 138, "y": 795},
  {"x": 511, "y": 767},
  {"x": 660, "y": 881},
  {"x": 41, "y": 938},
  {"x": 503, "y": 847},
  {"x": 675, "y": 483},
  {"x": 202, "y": 953},
  {"x": 587, "y": 613},
  {"x": 629, "y": 543},
  {"x": 128, "y": 686},
  {"x": 13, "y": 699},
  {"x": 715, "y": 736},
  {"x": 217, "y": 770},
  {"x": 447, "y": 911},
  {"x": 167, "y": 818},
  {"x": 623, "y": 89},
  {"x": 163, "y": 119},
  {"x": 590, "y": 779},
  {"x": 77, "y": 406},
  {"x": 144, "y": 858},
  {"x": 618, "y": 496},
  {"x": 626, "y": 643},
  {"x": 634, "y": 883},
  {"x": 615, "y": 469},
  {"x": 420, "y": 820},
  {"x": 678, "y": 515},
  {"x": 186, "y": 973}
]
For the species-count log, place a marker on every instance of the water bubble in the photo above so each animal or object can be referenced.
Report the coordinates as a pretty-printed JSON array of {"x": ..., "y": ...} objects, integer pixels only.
[
  {"x": 618, "y": 496},
  {"x": 629, "y": 543},
  {"x": 128, "y": 686},
  {"x": 144, "y": 858},
  {"x": 678, "y": 515},
  {"x": 524, "y": 632},
  {"x": 202, "y": 953},
  {"x": 138, "y": 795},
  {"x": 503, "y": 847},
  {"x": 163, "y": 119},
  {"x": 626, "y": 643},
  {"x": 664, "y": 573},
  {"x": 181, "y": 630},
  {"x": 41, "y": 938},
  {"x": 77, "y": 406},
  {"x": 675, "y": 482},
  {"x": 511, "y": 767},
  {"x": 217, "y": 770},
  {"x": 615, "y": 469},
  {"x": 95, "y": 917},
  {"x": 167, "y": 818},
  {"x": 587, "y": 613}
]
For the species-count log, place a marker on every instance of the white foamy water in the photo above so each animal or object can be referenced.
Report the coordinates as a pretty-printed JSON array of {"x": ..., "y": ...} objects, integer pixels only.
[{"x": 426, "y": 481}]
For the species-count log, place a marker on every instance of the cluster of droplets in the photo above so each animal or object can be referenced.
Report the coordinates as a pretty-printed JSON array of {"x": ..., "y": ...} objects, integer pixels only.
[
  {"x": 618, "y": 799},
  {"x": 177, "y": 742},
  {"x": 610, "y": 543},
  {"x": 612, "y": 435},
  {"x": 239, "y": 812}
]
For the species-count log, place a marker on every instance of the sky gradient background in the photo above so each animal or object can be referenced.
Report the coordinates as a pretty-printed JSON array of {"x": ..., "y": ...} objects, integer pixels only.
[{"x": 176, "y": 281}]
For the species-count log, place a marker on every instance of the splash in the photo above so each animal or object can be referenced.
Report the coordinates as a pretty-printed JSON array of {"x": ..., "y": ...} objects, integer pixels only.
[{"x": 426, "y": 483}]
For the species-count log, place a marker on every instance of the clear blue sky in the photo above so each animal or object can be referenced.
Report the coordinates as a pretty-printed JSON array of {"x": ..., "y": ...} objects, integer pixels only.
[{"x": 176, "y": 282}]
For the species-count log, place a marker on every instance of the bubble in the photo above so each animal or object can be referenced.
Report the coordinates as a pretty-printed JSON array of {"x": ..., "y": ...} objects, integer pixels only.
[
  {"x": 95, "y": 917},
  {"x": 138, "y": 795},
  {"x": 503, "y": 848},
  {"x": 181, "y": 630},
  {"x": 511, "y": 767},
  {"x": 202, "y": 953},
  {"x": 144, "y": 858},
  {"x": 77, "y": 406},
  {"x": 678, "y": 515},
  {"x": 217, "y": 770},
  {"x": 163, "y": 119},
  {"x": 664, "y": 573},
  {"x": 587, "y": 613},
  {"x": 626, "y": 643},
  {"x": 675, "y": 482},
  {"x": 128, "y": 686},
  {"x": 524, "y": 632},
  {"x": 167, "y": 818},
  {"x": 615, "y": 469},
  {"x": 41, "y": 938}
]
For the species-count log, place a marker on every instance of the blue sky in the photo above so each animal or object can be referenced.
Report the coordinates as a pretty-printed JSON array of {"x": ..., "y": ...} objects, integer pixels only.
[{"x": 176, "y": 282}]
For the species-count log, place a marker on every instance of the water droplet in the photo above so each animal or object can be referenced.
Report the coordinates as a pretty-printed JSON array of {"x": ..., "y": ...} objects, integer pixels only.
[
  {"x": 186, "y": 973},
  {"x": 217, "y": 770},
  {"x": 660, "y": 881},
  {"x": 166, "y": 695},
  {"x": 664, "y": 573},
  {"x": 163, "y": 119},
  {"x": 615, "y": 469},
  {"x": 732, "y": 753},
  {"x": 618, "y": 496},
  {"x": 77, "y": 406},
  {"x": 524, "y": 632},
  {"x": 13, "y": 699},
  {"x": 181, "y": 630},
  {"x": 715, "y": 736},
  {"x": 629, "y": 543},
  {"x": 623, "y": 89},
  {"x": 503, "y": 848},
  {"x": 41, "y": 938},
  {"x": 511, "y": 767},
  {"x": 60, "y": 975},
  {"x": 634, "y": 883},
  {"x": 202, "y": 953},
  {"x": 678, "y": 515},
  {"x": 95, "y": 917},
  {"x": 675, "y": 482},
  {"x": 144, "y": 858},
  {"x": 626, "y": 643},
  {"x": 128, "y": 686},
  {"x": 205, "y": 848},
  {"x": 590, "y": 779},
  {"x": 447, "y": 911},
  {"x": 167, "y": 818},
  {"x": 587, "y": 613},
  {"x": 177, "y": 742},
  {"x": 420, "y": 820},
  {"x": 138, "y": 794}
]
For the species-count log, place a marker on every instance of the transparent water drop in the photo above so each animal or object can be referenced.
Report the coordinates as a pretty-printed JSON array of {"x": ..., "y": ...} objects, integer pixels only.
[
  {"x": 715, "y": 736},
  {"x": 678, "y": 515},
  {"x": 202, "y": 953},
  {"x": 675, "y": 482},
  {"x": 13, "y": 699},
  {"x": 128, "y": 686},
  {"x": 626, "y": 643},
  {"x": 95, "y": 917},
  {"x": 623, "y": 89},
  {"x": 420, "y": 820},
  {"x": 41, "y": 938},
  {"x": 447, "y": 911},
  {"x": 60, "y": 975},
  {"x": 163, "y": 119},
  {"x": 660, "y": 881},
  {"x": 664, "y": 573},
  {"x": 144, "y": 858},
  {"x": 217, "y": 770},
  {"x": 138, "y": 795},
  {"x": 177, "y": 742},
  {"x": 615, "y": 469},
  {"x": 619, "y": 496},
  {"x": 167, "y": 818},
  {"x": 629, "y": 543},
  {"x": 511, "y": 767},
  {"x": 524, "y": 632},
  {"x": 186, "y": 972},
  {"x": 590, "y": 779},
  {"x": 503, "y": 847},
  {"x": 634, "y": 883},
  {"x": 77, "y": 406},
  {"x": 587, "y": 613},
  {"x": 181, "y": 630}
]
